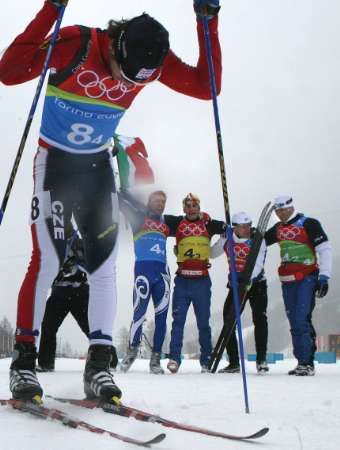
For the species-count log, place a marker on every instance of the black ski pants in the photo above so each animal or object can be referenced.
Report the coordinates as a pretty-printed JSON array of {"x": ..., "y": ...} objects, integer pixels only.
[
  {"x": 258, "y": 299},
  {"x": 63, "y": 300}
]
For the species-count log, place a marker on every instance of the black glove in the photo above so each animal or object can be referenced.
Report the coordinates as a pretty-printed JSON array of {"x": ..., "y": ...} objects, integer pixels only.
[
  {"x": 206, "y": 8},
  {"x": 322, "y": 286},
  {"x": 240, "y": 280},
  {"x": 59, "y": 3}
]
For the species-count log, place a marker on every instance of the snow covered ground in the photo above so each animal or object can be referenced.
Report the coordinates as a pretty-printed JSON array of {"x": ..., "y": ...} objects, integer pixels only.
[{"x": 302, "y": 413}]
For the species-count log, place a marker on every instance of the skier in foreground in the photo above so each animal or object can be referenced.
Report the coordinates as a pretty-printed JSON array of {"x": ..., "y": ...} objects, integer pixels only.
[
  {"x": 306, "y": 261},
  {"x": 96, "y": 75},
  {"x": 257, "y": 293}
]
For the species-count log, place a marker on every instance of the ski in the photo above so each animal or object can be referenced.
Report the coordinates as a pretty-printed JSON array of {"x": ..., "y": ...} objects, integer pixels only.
[
  {"x": 43, "y": 412},
  {"x": 128, "y": 411},
  {"x": 257, "y": 239}
]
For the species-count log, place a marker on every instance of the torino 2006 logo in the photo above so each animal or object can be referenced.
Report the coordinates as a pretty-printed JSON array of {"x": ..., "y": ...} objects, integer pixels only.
[
  {"x": 192, "y": 229},
  {"x": 241, "y": 251},
  {"x": 96, "y": 88},
  {"x": 154, "y": 226},
  {"x": 288, "y": 233}
]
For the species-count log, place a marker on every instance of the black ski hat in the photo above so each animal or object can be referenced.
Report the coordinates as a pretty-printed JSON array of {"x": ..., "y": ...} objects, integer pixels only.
[{"x": 141, "y": 47}]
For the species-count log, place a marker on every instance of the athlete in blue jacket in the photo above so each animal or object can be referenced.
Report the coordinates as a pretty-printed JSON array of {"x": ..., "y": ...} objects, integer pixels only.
[{"x": 152, "y": 278}]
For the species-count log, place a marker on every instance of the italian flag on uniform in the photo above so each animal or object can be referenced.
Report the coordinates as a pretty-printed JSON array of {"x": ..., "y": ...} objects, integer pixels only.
[{"x": 133, "y": 165}]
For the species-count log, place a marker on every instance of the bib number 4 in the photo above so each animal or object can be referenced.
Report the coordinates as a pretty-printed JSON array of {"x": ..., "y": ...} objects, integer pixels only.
[
  {"x": 157, "y": 249},
  {"x": 190, "y": 254}
]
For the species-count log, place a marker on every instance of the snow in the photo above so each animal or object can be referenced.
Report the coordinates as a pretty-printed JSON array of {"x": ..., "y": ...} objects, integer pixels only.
[{"x": 301, "y": 412}]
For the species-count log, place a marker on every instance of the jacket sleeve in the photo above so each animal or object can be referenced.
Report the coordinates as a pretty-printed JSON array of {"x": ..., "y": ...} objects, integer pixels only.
[
  {"x": 260, "y": 260},
  {"x": 218, "y": 248},
  {"x": 24, "y": 58},
  {"x": 324, "y": 252},
  {"x": 194, "y": 81},
  {"x": 132, "y": 209},
  {"x": 270, "y": 236},
  {"x": 172, "y": 222}
]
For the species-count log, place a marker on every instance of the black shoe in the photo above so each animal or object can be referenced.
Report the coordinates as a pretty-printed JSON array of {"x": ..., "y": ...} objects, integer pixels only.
[
  {"x": 262, "y": 366},
  {"x": 45, "y": 368},
  {"x": 231, "y": 368},
  {"x": 129, "y": 358},
  {"x": 155, "y": 364},
  {"x": 114, "y": 359},
  {"x": 98, "y": 380},
  {"x": 24, "y": 384},
  {"x": 303, "y": 370}
]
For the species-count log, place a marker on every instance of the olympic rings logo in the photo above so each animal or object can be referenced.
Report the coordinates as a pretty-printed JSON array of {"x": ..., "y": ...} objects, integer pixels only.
[
  {"x": 96, "y": 88},
  {"x": 288, "y": 233},
  {"x": 241, "y": 251},
  {"x": 192, "y": 229},
  {"x": 154, "y": 226}
]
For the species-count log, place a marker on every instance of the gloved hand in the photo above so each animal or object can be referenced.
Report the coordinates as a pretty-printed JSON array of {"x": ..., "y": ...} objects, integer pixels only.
[
  {"x": 206, "y": 8},
  {"x": 322, "y": 286},
  {"x": 59, "y": 3},
  {"x": 240, "y": 280}
]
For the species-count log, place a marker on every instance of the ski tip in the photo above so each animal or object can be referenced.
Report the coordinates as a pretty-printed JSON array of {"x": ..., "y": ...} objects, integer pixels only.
[
  {"x": 260, "y": 433},
  {"x": 156, "y": 440}
]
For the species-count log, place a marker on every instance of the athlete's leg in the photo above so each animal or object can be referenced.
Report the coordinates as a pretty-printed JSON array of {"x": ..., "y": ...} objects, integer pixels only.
[
  {"x": 50, "y": 211},
  {"x": 289, "y": 293},
  {"x": 96, "y": 213},
  {"x": 57, "y": 308},
  {"x": 201, "y": 296},
  {"x": 304, "y": 331},
  {"x": 180, "y": 305},
  {"x": 161, "y": 298},
  {"x": 97, "y": 216},
  {"x": 141, "y": 298},
  {"x": 79, "y": 304},
  {"x": 258, "y": 300}
]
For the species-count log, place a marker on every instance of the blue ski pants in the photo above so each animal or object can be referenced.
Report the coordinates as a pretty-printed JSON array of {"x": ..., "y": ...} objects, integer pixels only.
[
  {"x": 198, "y": 292},
  {"x": 152, "y": 279},
  {"x": 299, "y": 300}
]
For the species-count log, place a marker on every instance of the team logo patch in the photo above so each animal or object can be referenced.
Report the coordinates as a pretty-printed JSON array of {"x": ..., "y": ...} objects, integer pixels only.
[{"x": 144, "y": 74}]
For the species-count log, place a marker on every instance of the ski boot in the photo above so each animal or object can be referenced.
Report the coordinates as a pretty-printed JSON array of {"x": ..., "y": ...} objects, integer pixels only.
[
  {"x": 129, "y": 358},
  {"x": 155, "y": 364},
  {"x": 98, "y": 380},
  {"x": 173, "y": 366},
  {"x": 45, "y": 367},
  {"x": 204, "y": 368},
  {"x": 231, "y": 368},
  {"x": 303, "y": 370},
  {"x": 262, "y": 367},
  {"x": 24, "y": 383}
]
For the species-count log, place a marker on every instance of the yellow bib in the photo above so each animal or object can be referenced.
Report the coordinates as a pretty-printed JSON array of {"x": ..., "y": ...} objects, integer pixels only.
[{"x": 194, "y": 247}]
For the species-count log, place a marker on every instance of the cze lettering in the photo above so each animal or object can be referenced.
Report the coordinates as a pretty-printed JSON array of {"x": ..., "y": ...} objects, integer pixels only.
[{"x": 58, "y": 220}]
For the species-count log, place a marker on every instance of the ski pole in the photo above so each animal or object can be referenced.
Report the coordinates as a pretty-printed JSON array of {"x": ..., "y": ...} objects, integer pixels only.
[
  {"x": 31, "y": 113},
  {"x": 229, "y": 233}
]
